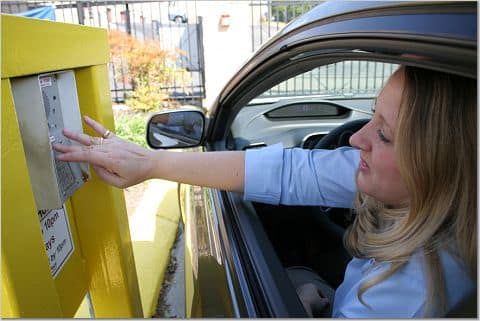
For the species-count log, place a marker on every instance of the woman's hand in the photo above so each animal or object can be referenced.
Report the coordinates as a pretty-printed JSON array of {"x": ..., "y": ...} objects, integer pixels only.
[{"x": 116, "y": 161}]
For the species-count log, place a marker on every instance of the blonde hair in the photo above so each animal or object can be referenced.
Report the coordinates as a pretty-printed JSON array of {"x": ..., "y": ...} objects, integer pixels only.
[{"x": 436, "y": 148}]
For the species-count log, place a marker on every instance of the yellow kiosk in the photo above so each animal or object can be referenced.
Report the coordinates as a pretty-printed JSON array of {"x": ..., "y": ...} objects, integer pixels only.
[{"x": 62, "y": 239}]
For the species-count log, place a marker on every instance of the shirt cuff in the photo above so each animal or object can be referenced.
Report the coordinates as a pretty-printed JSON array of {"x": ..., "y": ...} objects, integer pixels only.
[{"x": 263, "y": 174}]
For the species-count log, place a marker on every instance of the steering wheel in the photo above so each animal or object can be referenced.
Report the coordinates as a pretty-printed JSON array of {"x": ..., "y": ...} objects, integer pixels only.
[{"x": 340, "y": 136}]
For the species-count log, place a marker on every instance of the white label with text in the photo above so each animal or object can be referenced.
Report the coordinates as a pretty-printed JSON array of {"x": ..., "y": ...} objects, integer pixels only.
[{"x": 57, "y": 237}]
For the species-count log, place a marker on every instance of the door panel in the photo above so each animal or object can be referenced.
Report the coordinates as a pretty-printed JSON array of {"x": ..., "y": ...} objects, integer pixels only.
[{"x": 207, "y": 287}]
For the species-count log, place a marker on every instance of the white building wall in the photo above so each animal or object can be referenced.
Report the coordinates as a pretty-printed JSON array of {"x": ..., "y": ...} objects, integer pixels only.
[{"x": 225, "y": 48}]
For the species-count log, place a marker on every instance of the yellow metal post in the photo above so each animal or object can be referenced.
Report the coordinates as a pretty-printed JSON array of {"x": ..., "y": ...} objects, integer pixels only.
[{"x": 102, "y": 260}]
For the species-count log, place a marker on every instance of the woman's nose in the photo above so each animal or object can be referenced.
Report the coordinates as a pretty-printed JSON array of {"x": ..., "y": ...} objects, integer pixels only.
[{"x": 360, "y": 139}]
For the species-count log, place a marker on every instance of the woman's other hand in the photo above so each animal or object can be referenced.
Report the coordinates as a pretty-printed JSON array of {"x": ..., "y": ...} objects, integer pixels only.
[{"x": 116, "y": 161}]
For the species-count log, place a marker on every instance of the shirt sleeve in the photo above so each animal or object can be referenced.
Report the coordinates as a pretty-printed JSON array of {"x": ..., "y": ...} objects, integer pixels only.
[{"x": 299, "y": 176}]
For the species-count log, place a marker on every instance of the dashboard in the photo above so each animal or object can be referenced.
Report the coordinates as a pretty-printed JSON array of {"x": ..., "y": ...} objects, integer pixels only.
[{"x": 294, "y": 122}]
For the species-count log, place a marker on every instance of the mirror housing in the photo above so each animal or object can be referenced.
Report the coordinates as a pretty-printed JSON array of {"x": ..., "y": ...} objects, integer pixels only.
[{"x": 175, "y": 129}]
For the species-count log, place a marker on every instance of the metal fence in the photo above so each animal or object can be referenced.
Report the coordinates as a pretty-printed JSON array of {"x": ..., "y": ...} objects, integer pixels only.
[
  {"x": 269, "y": 16},
  {"x": 174, "y": 24},
  {"x": 178, "y": 29},
  {"x": 346, "y": 78}
]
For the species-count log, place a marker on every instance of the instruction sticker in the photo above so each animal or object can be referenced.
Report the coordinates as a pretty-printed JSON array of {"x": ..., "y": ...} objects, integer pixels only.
[
  {"x": 57, "y": 237},
  {"x": 45, "y": 81}
]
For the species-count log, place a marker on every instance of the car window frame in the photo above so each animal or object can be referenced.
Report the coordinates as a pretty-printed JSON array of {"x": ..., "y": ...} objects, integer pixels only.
[
  {"x": 273, "y": 296},
  {"x": 326, "y": 52},
  {"x": 457, "y": 46}
]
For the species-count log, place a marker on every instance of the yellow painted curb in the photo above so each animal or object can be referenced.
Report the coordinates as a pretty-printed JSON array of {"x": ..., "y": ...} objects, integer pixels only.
[
  {"x": 153, "y": 228},
  {"x": 83, "y": 312}
]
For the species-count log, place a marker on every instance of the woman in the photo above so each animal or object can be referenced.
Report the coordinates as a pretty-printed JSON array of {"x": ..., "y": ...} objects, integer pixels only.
[{"x": 413, "y": 165}]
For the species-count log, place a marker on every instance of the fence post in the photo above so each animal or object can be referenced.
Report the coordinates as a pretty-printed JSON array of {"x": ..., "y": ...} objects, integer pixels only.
[
  {"x": 81, "y": 15},
  {"x": 128, "y": 25}
]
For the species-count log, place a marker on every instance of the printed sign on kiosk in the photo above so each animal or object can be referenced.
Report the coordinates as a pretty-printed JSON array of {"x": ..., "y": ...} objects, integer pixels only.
[{"x": 57, "y": 237}]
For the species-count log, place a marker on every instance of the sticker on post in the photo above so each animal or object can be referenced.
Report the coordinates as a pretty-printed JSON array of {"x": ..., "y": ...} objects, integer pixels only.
[
  {"x": 57, "y": 237},
  {"x": 45, "y": 81}
]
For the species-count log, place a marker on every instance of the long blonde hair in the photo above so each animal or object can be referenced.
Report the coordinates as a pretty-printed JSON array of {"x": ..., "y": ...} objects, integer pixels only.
[{"x": 436, "y": 147}]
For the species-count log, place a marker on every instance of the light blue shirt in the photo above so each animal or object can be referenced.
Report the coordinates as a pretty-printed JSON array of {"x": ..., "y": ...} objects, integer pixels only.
[{"x": 297, "y": 176}]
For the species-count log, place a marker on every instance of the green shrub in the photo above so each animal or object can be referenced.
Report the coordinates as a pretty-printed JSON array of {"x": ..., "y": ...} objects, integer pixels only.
[
  {"x": 132, "y": 126},
  {"x": 147, "y": 98}
]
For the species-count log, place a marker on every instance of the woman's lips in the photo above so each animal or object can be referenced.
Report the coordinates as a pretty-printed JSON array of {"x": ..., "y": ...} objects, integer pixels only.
[{"x": 362, "y": 165}]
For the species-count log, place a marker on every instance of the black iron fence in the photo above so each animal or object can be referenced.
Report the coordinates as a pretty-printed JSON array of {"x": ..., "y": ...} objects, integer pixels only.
[
  {"x": 269, "y": 16},
  {"x": 177, "y": 28},
  {"x": 173, "y": 24},
  {"x": 346, "y": 79}
]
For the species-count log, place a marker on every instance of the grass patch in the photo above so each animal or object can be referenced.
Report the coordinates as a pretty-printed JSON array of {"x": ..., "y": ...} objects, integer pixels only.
[{"x": 132, "y": 127}]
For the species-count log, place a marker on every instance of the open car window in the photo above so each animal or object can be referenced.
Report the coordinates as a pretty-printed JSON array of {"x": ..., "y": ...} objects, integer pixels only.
[
  {"x": 300, "y": 110},
  {"x": 297, "y": 111}
]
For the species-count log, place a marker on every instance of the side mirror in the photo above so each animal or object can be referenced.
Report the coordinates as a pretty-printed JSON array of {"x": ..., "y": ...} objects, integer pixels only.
[{"x": 175, "y": 129}]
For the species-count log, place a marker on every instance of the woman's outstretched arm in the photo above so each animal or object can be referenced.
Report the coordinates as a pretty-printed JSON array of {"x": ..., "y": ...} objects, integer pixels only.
[{"x": 122, "y": 163}]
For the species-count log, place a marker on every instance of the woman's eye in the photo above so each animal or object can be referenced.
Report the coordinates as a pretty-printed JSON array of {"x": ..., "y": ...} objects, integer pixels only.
[{"x": 382, "y": 136}]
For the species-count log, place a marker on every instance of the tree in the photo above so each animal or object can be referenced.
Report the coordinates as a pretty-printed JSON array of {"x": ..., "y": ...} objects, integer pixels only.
[{"x": 150, "y": 69}]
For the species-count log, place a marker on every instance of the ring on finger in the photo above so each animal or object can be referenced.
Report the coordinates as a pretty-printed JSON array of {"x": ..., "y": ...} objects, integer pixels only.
[{"x": 106, "y": 134}]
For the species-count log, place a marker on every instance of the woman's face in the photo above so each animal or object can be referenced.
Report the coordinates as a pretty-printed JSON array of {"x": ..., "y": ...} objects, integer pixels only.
[{"x": 378, "y": 174}]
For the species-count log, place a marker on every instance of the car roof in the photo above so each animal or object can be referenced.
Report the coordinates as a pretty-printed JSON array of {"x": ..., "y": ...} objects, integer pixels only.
[
  {"x": 445, "y": 19},
  {"x": 333, "y": 8}
]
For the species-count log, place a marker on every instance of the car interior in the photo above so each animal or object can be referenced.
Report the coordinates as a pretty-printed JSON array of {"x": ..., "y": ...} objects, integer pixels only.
[{"x": 319, "y": 108}]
